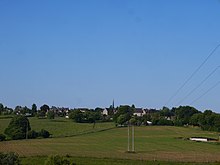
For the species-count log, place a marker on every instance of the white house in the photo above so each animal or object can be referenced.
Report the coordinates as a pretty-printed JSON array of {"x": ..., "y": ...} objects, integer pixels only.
[
  {"x": 105, "y": 112},
  {"x": 139, "y": 112}
]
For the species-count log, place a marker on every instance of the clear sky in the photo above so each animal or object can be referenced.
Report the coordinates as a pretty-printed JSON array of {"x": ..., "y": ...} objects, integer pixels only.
[{"x": 85, "y": 53}]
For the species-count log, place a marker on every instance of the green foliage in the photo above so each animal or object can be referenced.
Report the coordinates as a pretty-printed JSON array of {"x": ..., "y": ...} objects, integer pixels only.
[
  {"x": 183, "y": 114},
  {"x": 2, "y": 137},
  {"x": 112, "y": 161},
  {"x": 50, "y": 115},
  {"x": 44, "y": 133},
  {"x": 43, "y": 110},
  {"x": 89, "y": 116},
  {"x": 22, "y": 110},
  {"x": 123, "y": 115},
  {"x": 76, "y": 115},
  {"x": 32, "y": 134},
  {"x": 34, "y": 109},
  {"x": 197, "y": 119},
  {"x": 18, "y": 127},
  {"x": 41, "y": 114},
  {"x": 1, "y": 108},
  {"x": 9, "y": 159},
  {"x": 133, "y": 121},
  {"x": 122, "y": 119},
  {"x": 163, "y": 121},
  {"x": 5, "y": 110},
  {"x": 166, "y": 112},
  {"x": 145, "y": 118},
  {"x": 57, "y": 160},
  {"x": 210, "y": 121}
]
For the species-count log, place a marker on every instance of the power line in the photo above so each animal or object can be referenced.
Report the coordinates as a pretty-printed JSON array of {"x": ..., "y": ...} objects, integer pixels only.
[
  {"x": 191, "y": 76},
  {"x": 215, "y": 85},
  {"x": 209, "y": 75}
]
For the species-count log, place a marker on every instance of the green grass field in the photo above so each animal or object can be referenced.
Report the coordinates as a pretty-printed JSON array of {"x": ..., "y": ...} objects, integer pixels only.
[
  {"x": 152, "y": 143},
  {"x": 60, "y": 127}
]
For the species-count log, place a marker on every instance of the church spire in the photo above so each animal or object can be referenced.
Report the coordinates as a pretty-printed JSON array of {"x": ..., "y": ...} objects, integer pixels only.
[{"x": 113, "y": 104}]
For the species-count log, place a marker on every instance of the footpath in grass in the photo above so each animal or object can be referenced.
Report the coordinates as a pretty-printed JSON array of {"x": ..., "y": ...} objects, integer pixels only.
[{"x": 105, "y": 161}]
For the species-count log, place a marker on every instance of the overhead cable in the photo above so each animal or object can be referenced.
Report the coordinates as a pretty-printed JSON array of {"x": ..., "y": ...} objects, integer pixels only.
[
  {"x": 215, "y": 85},
  {"x": 193, "y": 74},
  {"x": 202, "y": 82}
]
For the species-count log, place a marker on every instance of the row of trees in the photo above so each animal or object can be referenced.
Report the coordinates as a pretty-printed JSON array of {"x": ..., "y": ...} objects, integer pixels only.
[
  {"x": 4, "y": 110},
  {"x": 88, "y": 116},
  {"x": 177, "y": 116}
]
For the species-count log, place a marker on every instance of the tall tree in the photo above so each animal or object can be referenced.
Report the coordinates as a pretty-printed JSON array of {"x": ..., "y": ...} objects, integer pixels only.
[
  {"x": 43, "y": 110},
  {"x": 34, "y": 109},
  {"x": 1, "y": 108},
  {"x": 18, "y": 127},
  {"x": 123, "y": 114}
]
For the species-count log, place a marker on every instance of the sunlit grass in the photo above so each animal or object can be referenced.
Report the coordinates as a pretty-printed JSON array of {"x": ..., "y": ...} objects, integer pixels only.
[{"x": 161, "y": 143}]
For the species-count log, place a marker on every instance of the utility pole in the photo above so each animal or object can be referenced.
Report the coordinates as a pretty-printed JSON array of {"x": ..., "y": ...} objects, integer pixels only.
[
  {"x": 133, "y": 139},
  {"x": 128, "y": 138},
  {"x": 27, "y": 130},
  {"x": 131, "y": 135}
]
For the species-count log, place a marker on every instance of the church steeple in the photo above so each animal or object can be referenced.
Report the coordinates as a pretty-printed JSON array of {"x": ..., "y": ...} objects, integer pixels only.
[{"x": 113, "y": 104}]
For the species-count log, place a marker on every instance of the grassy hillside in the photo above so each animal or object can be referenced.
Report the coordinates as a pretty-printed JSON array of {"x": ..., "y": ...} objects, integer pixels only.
[
  {"x": 4, "y": 123},
  {"x": 151, "y": 143},
  {"x": 59, "y": 127}
]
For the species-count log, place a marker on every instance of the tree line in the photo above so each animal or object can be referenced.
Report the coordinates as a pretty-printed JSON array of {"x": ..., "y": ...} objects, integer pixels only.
[
  {"x": 123, "y": 115},
  {"x": 177, "y": 116}
]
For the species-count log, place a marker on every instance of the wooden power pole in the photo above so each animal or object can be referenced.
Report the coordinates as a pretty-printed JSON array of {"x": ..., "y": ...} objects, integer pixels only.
[{"x": 131, "y": 135}]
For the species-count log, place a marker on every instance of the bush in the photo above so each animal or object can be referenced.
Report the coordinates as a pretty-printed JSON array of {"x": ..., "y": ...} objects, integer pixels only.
[
  {"x": 50, "y": 115},
  {"x": 165, "y": 122},
  {"x": 57, "y": 160},
  {"x": 9, "y": 159},
  {"x": 2, "y": 137},
  {"x": 32, "y": 134},
  {"x": 44, "y": 133},
  {"x": 16, "y": 134}
]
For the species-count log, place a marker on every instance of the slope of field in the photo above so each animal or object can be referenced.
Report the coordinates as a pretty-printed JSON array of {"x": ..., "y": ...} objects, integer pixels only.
[
  {"x": 3, "y": 124},
  {"x": 151, "y": 143},
  {"x": 60, "y": 127}
]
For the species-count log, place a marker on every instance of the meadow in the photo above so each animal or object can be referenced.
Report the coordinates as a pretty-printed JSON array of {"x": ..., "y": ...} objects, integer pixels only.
[
  {"x": 60, "y": 127},
  {"x": 155, "y": 144}
]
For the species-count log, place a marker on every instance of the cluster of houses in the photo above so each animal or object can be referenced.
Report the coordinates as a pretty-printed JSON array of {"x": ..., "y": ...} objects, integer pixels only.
[
  {"x": 62, "y": 111},
  {"x": 105, "y": 112},
  {"x": 137, "y": 112}
]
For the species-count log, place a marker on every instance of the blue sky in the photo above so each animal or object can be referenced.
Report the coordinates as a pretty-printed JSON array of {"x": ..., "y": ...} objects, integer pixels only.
[{"x": 82, "y": 53}]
